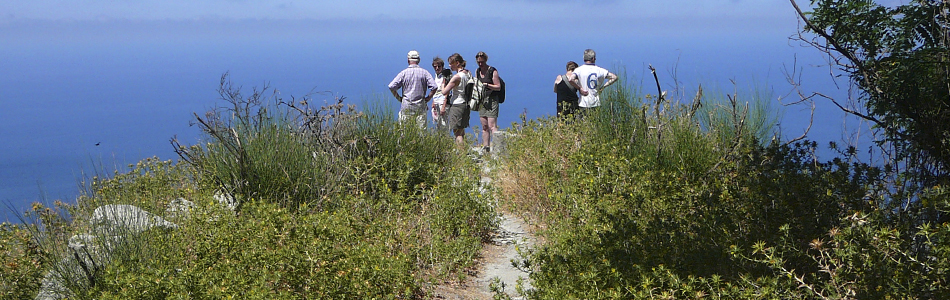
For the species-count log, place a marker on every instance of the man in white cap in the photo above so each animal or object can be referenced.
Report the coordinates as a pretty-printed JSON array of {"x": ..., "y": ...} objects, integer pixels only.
[{"x": 414, "y": 82}]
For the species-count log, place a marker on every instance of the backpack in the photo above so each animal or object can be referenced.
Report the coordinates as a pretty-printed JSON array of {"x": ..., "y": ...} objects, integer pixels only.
[
  {"x": 474, "y": 92},
  {"x": 479, "y": 93},
  {"x": 500, "y": 93}
]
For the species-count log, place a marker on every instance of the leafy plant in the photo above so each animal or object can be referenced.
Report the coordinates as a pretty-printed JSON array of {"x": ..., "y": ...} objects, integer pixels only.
[{"x": 636, "y": 201}]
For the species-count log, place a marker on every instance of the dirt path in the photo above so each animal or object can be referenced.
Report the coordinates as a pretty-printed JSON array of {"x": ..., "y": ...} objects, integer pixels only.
[
  {"x": 496, "y": 261},
  {"x": 513, "y": 235}
]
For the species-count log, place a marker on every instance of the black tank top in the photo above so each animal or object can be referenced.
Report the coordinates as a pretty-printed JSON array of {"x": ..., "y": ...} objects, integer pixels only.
[
  {"x": 487, "y": 79},
  {"x": 566, "y": 92}
]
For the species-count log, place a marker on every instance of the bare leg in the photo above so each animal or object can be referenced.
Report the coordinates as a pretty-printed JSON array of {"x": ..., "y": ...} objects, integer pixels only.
[
  {"x": 493, "y": 126},
  {"x": 486, "y": 131},
  {"x": 459, "y": 136}
]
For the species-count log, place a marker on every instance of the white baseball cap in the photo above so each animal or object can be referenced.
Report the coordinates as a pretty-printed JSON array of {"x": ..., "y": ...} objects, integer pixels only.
[{"x": 413, "y": 54}]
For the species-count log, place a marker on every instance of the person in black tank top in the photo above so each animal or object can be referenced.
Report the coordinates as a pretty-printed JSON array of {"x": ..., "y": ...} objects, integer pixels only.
[
  {"x": 566, "y": 87},
  {"x": 488, "y": 111}
]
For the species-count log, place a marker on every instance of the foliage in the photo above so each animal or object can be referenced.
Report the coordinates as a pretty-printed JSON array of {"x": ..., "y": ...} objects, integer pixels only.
[
  {"x": 866, "y": 259},
  {"x": 254, "y": 150},
  {"x": 644, "y": 202},
  {"x": 389, "y": 210},
  {"x": 150, "y": 184},
  {"x": 899, "y": 58},
  {"x": 267, "y": 253},
  {"x": 21, "y": 266}
]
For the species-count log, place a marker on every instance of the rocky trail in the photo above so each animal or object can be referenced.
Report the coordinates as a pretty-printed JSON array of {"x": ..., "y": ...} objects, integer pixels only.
[{"x": 495, "y": 261}]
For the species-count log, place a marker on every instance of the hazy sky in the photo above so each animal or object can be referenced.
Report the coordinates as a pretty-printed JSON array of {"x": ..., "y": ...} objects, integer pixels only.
[
  {"x": 370, "y": 10},
  {"x": 580, "y": 18}
]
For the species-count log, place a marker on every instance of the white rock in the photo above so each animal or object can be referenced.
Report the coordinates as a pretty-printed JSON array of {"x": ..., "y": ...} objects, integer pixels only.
[
  {"x": 226, "y": 199},
  {"x": 120, "y": 219},
  {"x": 179, "y": 208}
]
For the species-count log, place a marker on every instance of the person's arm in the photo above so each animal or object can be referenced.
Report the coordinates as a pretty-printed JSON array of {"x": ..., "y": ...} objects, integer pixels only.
[
  {"x": 448, "y": 89},
  {"x": 496, "y": 81},
  {"x": 442, "y": 83},
  {"x": 431, "y": 87},
  {"x": 395, "y": 94},
  {"x": 452, "y": 84},
  {"x": 395, "y": 85},
  {"x": 576, "y": 82},
  {"x": 611, "y": 78},
  {"x": 556, "y": 81}
]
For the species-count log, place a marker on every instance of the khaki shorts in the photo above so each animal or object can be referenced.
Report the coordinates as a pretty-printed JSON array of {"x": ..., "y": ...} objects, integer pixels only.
[
  {"x": 458, "y": 115},
  {"x": 489, "y": 108}
]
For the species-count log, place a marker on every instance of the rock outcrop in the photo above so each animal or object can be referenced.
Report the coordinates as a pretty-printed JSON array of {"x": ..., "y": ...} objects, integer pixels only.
[{"x": 85, "y": 254}]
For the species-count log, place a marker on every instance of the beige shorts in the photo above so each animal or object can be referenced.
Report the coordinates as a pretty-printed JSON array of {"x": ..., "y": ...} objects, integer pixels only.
[
  {"x": 489, "y": 108},
  {"x": 458, "y": 115}
]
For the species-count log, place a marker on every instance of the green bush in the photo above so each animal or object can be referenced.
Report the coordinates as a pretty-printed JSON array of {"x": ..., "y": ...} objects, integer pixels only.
[
  {"x": 635, "y": 201},
  {"x": 22, "y": 262},
  {"x": 269, "y": 252},
  {"x": 333, "y": 204},
  {"x": 150, "y": 184},
  {"x": 254, "y": 149}
]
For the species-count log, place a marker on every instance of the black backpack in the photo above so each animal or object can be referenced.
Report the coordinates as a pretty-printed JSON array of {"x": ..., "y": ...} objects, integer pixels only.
[{"x": 499, "y": 93}]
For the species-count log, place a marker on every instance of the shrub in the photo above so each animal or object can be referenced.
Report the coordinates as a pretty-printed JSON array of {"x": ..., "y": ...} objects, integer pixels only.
[
  {"x": 333, "y": 204},
  {"x": 254, "y": 150},
  {"x": 21, "y": 266},
  {"x": 633, "y": 195},
  {"x": 269, "y": 252}
]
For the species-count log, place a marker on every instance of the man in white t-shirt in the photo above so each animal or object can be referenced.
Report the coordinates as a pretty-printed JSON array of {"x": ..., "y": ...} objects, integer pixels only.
[
  {"x": 442, "y": 76},
  {"x": 592, "y": 80}
]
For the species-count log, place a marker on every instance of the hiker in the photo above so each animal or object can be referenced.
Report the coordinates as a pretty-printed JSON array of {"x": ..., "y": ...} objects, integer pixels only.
[
  {"x": 566, "y": 86},
  {"x": 458, "y": 110},
  {"x": 488, "y": 110},
  {"x": 414, "y": 82},
  {"x": 592, "y": 82},
  {"x": 442, "y": 76}
]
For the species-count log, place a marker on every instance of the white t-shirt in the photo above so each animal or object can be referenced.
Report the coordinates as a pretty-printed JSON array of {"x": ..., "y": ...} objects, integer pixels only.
[
  {"x": 459, "y": 90},
  {"x": 591, "y": 78},
  {"x": 438, "y": 98}
]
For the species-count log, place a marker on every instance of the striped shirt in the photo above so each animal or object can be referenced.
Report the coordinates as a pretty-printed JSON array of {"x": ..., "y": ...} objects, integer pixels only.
[{"x": 413, "y": 81}]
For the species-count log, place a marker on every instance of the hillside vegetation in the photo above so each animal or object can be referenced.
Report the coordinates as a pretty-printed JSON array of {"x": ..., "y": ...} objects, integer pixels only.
[
  {"x": 328, "y": 203},
  {"x": 637, "y": 200},
  {"x": 640, "y": 200}
]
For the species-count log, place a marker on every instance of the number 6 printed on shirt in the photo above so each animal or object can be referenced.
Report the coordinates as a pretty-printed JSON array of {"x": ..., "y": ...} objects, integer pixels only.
[{"x": 592, "y": 81}]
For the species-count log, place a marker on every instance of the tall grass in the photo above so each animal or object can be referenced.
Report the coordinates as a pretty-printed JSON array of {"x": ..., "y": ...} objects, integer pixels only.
[
  {"x": 254, "y": 150},
  {"x": 333, "y": 203},
  {"x": 641, "y": 190}
]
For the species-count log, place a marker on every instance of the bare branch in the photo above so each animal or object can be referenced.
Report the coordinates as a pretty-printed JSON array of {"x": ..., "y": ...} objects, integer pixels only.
[
  {"x": 853, "y": 60},
  {"x": 659, "y": 91}
]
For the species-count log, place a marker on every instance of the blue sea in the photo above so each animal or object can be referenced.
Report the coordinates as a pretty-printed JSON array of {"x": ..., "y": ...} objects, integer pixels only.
[{"x": 93, "y": 98}]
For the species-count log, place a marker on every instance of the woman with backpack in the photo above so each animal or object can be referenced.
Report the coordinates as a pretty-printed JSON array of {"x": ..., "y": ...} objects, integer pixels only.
[
  {"x": 458, "y": 110},
  {"x": 488, "y": 111}
]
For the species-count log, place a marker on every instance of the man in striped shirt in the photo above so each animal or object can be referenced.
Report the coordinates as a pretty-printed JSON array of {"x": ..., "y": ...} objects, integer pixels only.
[{"x": 414, "y": 82}]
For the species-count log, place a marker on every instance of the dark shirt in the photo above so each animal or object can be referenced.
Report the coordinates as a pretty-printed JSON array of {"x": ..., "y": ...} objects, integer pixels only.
[
  {"x": 565, "y": 91},
  {"x": 488, "y": 79}
]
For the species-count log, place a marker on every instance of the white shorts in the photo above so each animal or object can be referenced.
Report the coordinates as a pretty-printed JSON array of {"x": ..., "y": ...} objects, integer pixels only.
[{"x": 408, "y": 116}]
